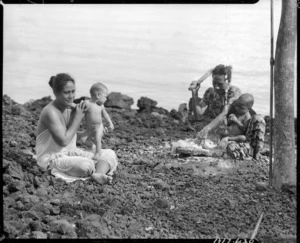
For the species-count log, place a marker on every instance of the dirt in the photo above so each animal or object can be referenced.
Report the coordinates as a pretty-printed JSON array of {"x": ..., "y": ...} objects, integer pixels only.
[{"x": 155, "y": 193}]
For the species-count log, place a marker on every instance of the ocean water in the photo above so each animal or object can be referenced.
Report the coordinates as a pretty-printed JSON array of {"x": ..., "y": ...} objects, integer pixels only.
[{"x": 139, "y": 50}]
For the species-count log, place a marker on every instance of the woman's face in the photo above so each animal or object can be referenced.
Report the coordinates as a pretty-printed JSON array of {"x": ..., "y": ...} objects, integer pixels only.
[
  {"x": 219, "y": 83},
  {"x": 67, "y": 95}
]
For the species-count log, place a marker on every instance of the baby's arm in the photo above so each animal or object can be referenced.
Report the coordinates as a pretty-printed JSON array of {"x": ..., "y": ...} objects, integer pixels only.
[
  {"x": 241, "y": 123},
  {"x": 107, "y": 118}
]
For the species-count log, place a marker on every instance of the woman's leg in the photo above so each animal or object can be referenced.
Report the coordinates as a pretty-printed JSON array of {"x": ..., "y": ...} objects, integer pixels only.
[
  {"x": 74, "y": 165},
  {"x": 106, "y": 165}
]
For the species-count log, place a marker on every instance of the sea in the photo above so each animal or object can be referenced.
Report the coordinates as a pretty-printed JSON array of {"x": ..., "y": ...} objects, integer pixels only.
[{"x": 140, "y": 50}]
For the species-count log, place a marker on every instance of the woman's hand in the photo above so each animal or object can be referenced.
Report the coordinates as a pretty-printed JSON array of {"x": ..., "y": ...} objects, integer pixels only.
[
  {"x": 203, "y": 133},
  {"x": 81, "y": 108},
  {"x": 194, "y": 86}
]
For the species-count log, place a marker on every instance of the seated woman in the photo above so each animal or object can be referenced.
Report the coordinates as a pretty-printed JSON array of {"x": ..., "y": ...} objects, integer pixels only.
[
  {"x": 222, "y": 92},
  {"x": 56, "y": 136},
  {"x": 241, "y": 130}
]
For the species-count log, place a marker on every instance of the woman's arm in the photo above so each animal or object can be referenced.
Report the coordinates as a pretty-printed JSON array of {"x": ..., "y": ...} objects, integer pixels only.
[
  {"x": 61, "y": 135},
  {"x": 213, "y": 124}
]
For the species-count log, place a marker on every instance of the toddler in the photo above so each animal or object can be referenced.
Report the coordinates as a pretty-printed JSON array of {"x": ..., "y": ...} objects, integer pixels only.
[
  {"x": 237, "y": 120},
  {"x": 93, "y": 117}
]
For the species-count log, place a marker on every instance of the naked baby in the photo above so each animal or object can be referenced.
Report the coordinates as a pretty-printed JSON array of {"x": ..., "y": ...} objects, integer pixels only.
[{"x": 93, "y": 117}]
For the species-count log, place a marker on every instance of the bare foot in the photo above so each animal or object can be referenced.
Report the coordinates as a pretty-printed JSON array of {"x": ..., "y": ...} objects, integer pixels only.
[
  {"x": 101, "y": 179},
  {"x": 96, "y": 156}
]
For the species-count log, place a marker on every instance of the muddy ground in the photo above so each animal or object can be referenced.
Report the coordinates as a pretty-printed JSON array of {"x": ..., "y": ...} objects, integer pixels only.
[{"x": 155, "y": 193}]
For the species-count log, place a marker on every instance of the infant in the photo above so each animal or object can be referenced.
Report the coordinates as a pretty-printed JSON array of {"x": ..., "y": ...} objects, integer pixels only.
[
  {"x": 93, "y": 117},
  {"x": 237, "y": 120}
]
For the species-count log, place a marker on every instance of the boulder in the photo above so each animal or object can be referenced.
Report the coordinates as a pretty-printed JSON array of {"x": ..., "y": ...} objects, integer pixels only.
[
  {"x": 183, "y": 111},
  {"x": 78, "y": 100},
  {"x": 63, "y": 227},
  {"x": 118, "y": 100},
  {"x": 175, "y": 114},
  {"x": 145, "y": 103}
]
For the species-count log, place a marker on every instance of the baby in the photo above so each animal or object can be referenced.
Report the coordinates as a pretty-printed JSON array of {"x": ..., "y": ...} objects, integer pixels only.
[
  {"x": 237, "y": 120},
  {"x": 93, "y": 117}
]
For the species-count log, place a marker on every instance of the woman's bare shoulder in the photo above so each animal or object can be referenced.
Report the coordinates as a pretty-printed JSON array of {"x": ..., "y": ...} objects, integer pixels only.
[{"x": 49, "y": 111}]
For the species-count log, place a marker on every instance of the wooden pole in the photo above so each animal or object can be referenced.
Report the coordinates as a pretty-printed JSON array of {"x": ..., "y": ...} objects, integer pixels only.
[
  {"x": 284, "y": 166},
  {"x": 271, "y": 97}
]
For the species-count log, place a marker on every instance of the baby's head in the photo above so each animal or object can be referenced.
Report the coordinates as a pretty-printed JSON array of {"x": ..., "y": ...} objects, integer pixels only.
[
  {"x": 99, "y": 92},
  {"x": 244, "y": 103}
]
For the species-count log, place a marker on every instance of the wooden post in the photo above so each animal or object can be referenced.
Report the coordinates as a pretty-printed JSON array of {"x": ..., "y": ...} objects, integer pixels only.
[{"x": 284, "y": 167}]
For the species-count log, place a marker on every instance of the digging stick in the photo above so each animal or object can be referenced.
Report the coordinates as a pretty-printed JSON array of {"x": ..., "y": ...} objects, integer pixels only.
[
  {"x": 194, "y": 87},
  {"x": 256, "y": 227}
]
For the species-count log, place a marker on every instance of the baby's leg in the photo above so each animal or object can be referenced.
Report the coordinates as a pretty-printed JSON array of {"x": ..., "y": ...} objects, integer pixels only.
[{"x": 97, "y": 140}]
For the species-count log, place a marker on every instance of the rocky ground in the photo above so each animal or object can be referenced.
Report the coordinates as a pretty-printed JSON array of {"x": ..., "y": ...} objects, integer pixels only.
[{"x": 155, "y": 194}]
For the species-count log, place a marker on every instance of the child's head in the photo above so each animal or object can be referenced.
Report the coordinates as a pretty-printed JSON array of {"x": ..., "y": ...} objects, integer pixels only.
[
  {"x": 244, "y": 103},
  {"x": 99, "y": 92}
]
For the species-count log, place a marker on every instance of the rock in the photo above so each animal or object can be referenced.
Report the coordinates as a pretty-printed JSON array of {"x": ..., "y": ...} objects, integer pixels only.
[
  {"x": 38, "y": 105},
  {"x": 161, "y": 203},
  {"x": 157, "y": 115},
  {"x": 78, "y": 100},
  {"x": 15, "y": 170},
  {"x": 183, "y": 111},
  {"x": 55, "y": 201},
  {"x": 160, "y": 184},
  {"x": 19, "y": 205},
  {"x": 175, "y": 114},
  {"x": 118, "y": 100},
  {"x": 38, "y": 235},
  {"x": 63, "y": 227},
  {"x": 35, "y": 225},
  {"x": 261, "y": 186},
  {"x": 18, "y": 110},
  {"x": 30, "y": 214},
  {"x": 13, "y": 143},
  {"x": 145, "y": 103}
]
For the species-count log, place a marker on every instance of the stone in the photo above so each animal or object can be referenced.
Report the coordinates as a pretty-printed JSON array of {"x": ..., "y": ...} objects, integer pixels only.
[
  {"x": 30, "y": 214},
  {"x": 161, "y": 203},
  {"x": 35, "y": 225},
  {"x": 38, "y": 235},
  {"x": 145, "y": 103},
  {"x": 183, "y": 111},
  {"x": 261, "y": 186},
  {"x": 160, "y": 184},
  {"x": 118, "y": 100},
  {"x": 175, "y": 114},
  {"x": 63, "y": 227}
]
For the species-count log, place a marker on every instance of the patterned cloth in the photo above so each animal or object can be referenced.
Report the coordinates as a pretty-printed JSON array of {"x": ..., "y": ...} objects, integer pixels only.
[
  {"x": 255, "y": 134},
  {"x": 216, "y": 101}
]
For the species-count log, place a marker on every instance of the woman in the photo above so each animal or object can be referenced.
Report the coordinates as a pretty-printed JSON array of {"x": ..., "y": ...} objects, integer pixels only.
[
  {"x": 56, "y": 136},
  {"x": 222, "y": 92}
]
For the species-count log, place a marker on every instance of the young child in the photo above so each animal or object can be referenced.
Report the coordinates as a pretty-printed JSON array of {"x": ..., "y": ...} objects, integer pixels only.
[
  {"x": 93, "y": 117},
  {"x": 237, "y": 121}
]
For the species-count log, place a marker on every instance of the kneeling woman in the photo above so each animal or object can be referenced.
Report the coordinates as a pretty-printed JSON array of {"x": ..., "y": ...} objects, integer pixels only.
[{"x": 56, "y": 137}]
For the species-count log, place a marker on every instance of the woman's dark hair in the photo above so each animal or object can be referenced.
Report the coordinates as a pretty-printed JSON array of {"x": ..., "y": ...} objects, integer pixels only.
[
  {"x": 223, "y": 70},
  {"x": 59, "y": 81}
]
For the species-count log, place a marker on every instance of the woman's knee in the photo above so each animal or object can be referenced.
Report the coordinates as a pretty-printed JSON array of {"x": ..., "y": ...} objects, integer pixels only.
[{"x": 82, "y": 169}]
